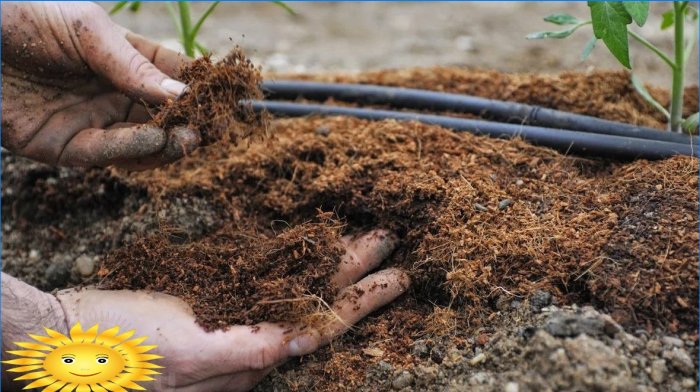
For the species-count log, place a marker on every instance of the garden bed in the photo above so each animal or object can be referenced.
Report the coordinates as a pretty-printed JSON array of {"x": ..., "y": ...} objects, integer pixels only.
[{"x": 488, "y": 230}]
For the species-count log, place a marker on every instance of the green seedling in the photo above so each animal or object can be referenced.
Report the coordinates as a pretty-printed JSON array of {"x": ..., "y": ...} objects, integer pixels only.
[
  {"x": 181, "y": 15},
  {"x": 611, "y": 20}
]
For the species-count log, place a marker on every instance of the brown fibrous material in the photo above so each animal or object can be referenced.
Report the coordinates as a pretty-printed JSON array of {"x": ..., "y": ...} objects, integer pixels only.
[
  {"x": 213, "y": 103},
  {"x": 620, "y": 235},
  {"x": 235, "y": 277}
]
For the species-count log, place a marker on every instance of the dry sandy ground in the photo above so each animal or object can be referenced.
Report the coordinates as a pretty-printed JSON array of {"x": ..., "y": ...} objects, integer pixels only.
[{"x": 373, "y": 35}]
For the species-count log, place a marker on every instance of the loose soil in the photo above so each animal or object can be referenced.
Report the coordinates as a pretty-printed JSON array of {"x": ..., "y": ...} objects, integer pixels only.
[{"x": 486, "y": 227}]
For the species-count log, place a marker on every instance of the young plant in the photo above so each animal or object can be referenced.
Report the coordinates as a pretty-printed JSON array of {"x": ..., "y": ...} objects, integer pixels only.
[
  {"x": 610, "y": 21},
  {"x": 182, "y": 19}
]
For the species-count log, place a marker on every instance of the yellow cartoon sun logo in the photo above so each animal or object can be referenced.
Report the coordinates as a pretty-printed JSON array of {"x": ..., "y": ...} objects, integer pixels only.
[{"x": 86, "y": 361}]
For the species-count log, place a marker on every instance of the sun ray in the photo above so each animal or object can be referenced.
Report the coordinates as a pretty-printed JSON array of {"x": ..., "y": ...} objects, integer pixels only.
[
  {"x": 54, "y": 387},
  {"x": 126, "y": 335},
  {"x": 79, "y": 336},
  {"x": 107, "y": 337},
  {"x": 57, "y": 335},
  {"x": 112, "y": 387},
  {"x": 42, "y": 382},
  {"x": 82, "y": 388},
  {"x": 33, "y": 346},
  {"x": 23, "y": 361},
  {"x": 135, "y": 342},
  {"x": 97, "y": 388},
  {"x": 47, "y": 340},
  {"x": 33, "y": 375},
  {"x": 70, "y": 387},
  {"x": 27, "y": 353},
  {"x": 23, "y": 369}
]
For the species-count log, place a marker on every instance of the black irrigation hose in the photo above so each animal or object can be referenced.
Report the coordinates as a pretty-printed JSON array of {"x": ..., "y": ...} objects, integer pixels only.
[
  {"x": 493, "y": 109},
  {"x": 610, "y": 146}
]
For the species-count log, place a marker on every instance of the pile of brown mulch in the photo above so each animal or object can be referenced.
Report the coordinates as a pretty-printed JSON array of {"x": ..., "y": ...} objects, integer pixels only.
[
  {"x": 480, "y": 219},
  {"x": 212, "y": 102},
  {"x": 236, "y": 276}
]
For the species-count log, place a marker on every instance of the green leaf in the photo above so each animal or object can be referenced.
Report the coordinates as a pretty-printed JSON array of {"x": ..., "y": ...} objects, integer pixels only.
[
  {"x": 117, "y": 7},
  {"x": 551, "y": 34},
  {"x": 638, "y": 10},
  {"x": 556, "y": 34},
  {"x": 205, "y": 15},
  {"x": 588, "y": 48},
  {"x": 286, "y": 7},
  {"x": 690, "y": 124},
  {"x": 667, "y": 20},
  {"x": 201, "y": 48},
  {"x": 610, "y": 20},
  {"x": 135, "y": 6},
  {"x": 639, "y": 86},
  {"x": 562, "y": 19}
]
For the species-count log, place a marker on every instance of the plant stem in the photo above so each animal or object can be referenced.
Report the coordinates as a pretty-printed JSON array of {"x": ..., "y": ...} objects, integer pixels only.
[
  {"x": 653, "y": 48},
  {"x": 186, "y": 25},
  {"x": 677, "y": 87}
]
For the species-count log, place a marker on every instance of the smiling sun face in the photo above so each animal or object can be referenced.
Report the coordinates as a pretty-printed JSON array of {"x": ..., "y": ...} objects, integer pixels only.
[{"x": 85, "y": 361}]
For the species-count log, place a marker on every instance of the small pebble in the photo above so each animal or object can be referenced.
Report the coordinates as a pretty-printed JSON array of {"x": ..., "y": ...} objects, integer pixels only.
[
  {"x": 519, "y": 183},
  {"x": 658, "y": 371},
  {"x": 404, "y": 380},
  {"x": 671, "y": 341},
  {"x": 437, "y": 355},
  {"x": 480, "y": 207},
  {"x": 688, "y": 383},
  {"x": 85, "y": 265},
  {"x": 421, "y": 349},
  {"x": 480, "y": 378},
  {"x": 540, "y": 299},
  {"x": 512, "y": 387},
  {"x": 654, "y": 346},
  {"x": 34, "y": 255},
  {"x": 323, "y": 130},
  {"x": 680, "y": 360},
  {"x": 479, "y": 358},
  {"x": 504, "y": 204}
]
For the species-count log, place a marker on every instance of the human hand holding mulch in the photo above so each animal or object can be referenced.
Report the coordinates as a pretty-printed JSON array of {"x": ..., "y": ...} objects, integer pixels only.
[
  {"x": 238, "y": 357},
  {"x": 76, "y": 85}
]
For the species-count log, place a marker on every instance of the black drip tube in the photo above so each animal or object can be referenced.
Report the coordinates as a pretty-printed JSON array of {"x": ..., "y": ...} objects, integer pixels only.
[
  {"x": 567, "y": 141},
  {"x": 488, "y": 108}
]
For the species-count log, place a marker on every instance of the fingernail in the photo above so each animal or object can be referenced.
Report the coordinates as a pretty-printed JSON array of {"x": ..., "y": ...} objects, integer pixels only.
[
  {"x": 173, "y": 86},
  {"x": 302, "y": 345}
]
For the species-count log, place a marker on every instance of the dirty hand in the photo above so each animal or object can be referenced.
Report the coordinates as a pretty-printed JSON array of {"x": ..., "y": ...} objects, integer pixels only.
[
  {"x": 74, "y": 85},
  {"x": 237, "y": 359}
]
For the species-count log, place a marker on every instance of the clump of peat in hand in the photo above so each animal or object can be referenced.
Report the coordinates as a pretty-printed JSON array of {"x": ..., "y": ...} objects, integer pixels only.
[{"x": 212, "y": 102}]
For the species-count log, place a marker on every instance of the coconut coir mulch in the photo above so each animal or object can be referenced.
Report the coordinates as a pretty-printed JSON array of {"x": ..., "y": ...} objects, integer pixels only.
[
  {"x": 211, "y": 104},
  {"x": 479, "y": 219}
]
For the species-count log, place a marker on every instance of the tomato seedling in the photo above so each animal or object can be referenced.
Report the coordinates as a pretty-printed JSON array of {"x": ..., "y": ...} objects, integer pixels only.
[
  {"x": 610, "y": 21},
  {"x": 182, "y": 19}
]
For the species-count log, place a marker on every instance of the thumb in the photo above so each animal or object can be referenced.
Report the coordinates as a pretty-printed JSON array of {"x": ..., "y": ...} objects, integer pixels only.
[{"x": 114, "y": 58}]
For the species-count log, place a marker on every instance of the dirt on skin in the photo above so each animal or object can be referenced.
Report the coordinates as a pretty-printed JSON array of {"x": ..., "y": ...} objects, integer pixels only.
[
  {"x": 483, "y": 223},
  {"x": 211, "y": 104}
]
